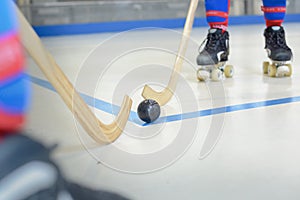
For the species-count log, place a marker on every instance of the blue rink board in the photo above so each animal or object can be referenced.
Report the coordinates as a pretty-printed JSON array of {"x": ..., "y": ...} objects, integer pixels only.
[{"x": 73, "y": 29}]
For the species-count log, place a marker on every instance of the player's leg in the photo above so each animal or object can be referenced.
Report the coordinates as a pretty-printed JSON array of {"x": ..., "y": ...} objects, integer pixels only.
[
  {"x": 25, "y": 167},
  {"x": 215, "y": 47},
  {"x": 274, "y": 11},
  {"x": 217, "y": 13},
  {"x": 27, "y": 171},
  {"x": 14, "y": 88}
]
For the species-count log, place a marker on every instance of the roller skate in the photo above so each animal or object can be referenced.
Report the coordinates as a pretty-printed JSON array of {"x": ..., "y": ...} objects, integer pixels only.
[
  {"x": 278, "y": 52},
  {"x": 213, "y": 54}
]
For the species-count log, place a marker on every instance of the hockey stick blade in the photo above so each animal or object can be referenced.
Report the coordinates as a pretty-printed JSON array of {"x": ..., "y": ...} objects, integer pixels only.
[{"x": 100, "y": 132}]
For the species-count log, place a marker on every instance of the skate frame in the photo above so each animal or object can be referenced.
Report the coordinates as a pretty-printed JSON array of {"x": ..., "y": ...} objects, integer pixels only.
[
  {"x": 100, "y": 132},
  {"x": 220, "y": 66},
  {"x": 164, "y": 96}
]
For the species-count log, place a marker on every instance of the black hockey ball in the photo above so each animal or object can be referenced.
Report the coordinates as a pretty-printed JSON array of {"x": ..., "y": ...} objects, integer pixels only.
[{"x": 148, "y": 110}]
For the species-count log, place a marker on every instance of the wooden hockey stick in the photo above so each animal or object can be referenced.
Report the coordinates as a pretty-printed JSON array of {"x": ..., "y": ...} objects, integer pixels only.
[
  {"x": 100, "y": 132},
  {"x": 164, "y": 96}
]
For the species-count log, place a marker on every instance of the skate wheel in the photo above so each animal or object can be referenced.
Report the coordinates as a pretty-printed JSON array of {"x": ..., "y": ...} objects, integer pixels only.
[
  {"x": 203, "y": 75},
  {"x": 265, "y": 67},
  {"x": 228, "y": 71},
  {"x": 283, "y": 71},
  {"x": 290, "y": 70},
  {"x": 216, "y": 75},
  {"x": 272, "y": 69}
]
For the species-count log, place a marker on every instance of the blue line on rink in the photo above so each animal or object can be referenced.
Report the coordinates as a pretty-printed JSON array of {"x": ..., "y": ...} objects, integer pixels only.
[
  {"x": 91, "y": 101},
  {"x": 227, "y": 109},
  {"x": 113, "y": 109}
]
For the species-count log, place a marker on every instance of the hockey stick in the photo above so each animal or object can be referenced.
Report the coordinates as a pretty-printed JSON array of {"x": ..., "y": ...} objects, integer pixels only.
[
  {"x": 164, "y": 96},
  {"x": 100, "y": 132}
]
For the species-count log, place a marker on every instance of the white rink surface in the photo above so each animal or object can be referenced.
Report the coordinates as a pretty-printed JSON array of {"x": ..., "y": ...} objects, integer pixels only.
[{"x": 257, "y": 156}]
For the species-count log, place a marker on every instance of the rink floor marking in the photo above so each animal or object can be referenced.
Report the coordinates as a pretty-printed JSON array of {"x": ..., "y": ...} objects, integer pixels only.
[{"x": 113, "y": 109}]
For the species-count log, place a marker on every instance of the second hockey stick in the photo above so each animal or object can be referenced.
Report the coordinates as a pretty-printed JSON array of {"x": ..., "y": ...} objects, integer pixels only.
[{"x": 164, "y": 96}]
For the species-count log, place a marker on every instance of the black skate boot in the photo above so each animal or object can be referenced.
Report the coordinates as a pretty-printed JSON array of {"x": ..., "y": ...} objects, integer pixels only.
[
  {"x": 278, "y": 52},
  {"x": 27, "y": 172},
  {"x": 213, "y": 54}
]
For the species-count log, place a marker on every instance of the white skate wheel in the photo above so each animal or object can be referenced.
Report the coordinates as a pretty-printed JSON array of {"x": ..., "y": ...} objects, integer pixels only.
[
  {"x": 203, "y": 75},
  {"x": 216, "y": 75},
  {"x": 282, "y": 71},
  {"x": 229, "y": 71},
  {"x": 265, "y": 67},
  {"x": 272, "y": 70}
]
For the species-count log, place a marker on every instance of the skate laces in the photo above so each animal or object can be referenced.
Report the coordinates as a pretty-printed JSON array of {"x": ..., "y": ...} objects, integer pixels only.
[
  {"x": 277, "y": 39},
  {"x": 211, "y": 43}
]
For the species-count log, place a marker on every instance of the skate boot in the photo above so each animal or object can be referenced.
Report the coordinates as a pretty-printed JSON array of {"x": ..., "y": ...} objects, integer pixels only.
[
  {"x": 213, "y": 54},
  {"x": 28, "y": 173},
  {"x": 278, "y": 52}
]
